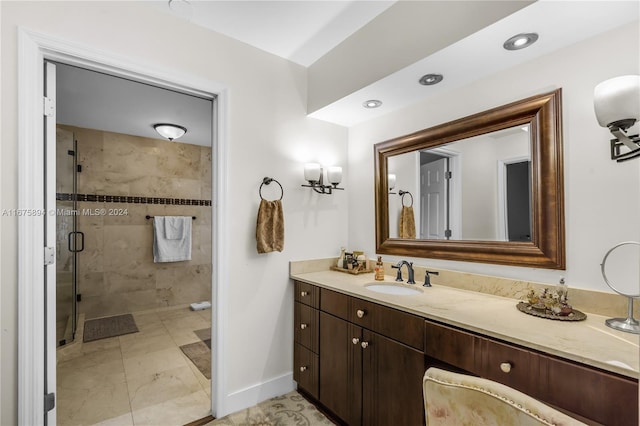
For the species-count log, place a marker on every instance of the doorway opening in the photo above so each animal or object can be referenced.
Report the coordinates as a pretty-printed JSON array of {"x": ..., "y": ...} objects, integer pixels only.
[{"x": 37, "y": 343}]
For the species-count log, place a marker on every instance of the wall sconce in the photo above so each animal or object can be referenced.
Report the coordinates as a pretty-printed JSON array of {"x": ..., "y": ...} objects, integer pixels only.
[
  {"x": 391, "y": 182},
  {"x": 617, "y": 105},
  {"x": 170, "y": 131},
  {"x": 313, "y": 173}
]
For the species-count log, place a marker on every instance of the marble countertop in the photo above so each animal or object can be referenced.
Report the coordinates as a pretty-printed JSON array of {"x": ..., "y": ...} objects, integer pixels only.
[{"x": 590, "y": 341}]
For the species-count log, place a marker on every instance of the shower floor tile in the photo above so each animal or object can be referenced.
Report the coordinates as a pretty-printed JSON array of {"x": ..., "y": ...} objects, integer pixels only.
[{"x": 136, "y": 379}]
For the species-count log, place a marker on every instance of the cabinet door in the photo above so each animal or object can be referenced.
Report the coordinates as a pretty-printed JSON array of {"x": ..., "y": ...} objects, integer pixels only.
[
  {"x": 341, "y": 368},
  {"x": 391, "y": 382}
]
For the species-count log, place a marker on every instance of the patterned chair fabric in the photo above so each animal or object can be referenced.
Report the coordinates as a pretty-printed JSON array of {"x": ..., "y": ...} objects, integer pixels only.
[{"x": 452, "y": 399}]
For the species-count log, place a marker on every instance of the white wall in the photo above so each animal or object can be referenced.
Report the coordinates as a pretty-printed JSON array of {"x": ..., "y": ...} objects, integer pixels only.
[
  {"x": 270, "y": 135},
  {"x": 602, "y": 197}
]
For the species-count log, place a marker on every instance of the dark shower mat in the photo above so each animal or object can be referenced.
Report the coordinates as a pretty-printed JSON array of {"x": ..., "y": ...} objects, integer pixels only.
[
  {"x": 103, "y": 328},
  {"x": 200, "y": 355}
]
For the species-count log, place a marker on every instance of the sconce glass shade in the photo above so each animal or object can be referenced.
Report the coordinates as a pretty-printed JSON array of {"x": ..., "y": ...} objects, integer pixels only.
[
  {"x": 617, "y": 101},
  {"x": 334, "y": 175},
  {"x": 312, "y": 172},
  {"x": 170, "y": 131},
  {"x": 391, "y": 181}
]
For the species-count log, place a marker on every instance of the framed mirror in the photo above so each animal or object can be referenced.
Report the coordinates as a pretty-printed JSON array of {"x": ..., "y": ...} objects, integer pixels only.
[{"x": 484, "y": 188}]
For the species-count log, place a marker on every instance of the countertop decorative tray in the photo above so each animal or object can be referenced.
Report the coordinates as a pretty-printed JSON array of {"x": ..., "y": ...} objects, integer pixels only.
[
  {"x": 527, "y": 308},
  {"x": 352, "y": 271}
]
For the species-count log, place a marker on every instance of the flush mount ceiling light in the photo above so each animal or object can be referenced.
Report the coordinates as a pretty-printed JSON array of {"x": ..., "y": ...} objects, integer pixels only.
[
  {"x": 372, "y": 103},
  {"x": 169, "y": 131},
  {"x": 520, "y": 41},
  {"x": 430, "y": 79}
]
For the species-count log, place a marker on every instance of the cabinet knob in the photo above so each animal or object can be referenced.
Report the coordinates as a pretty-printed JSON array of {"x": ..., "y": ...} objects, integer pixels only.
[
  {"x": 303, "y": 368},
  {"x": 303, "y": 326},
  {"x": 360, "y": 313},
  {"x": 364, "y": 345},
  {"x": 303, "y": 293},
  {"x": 505, "y": 367},
  {"x": 355, "y": 340}
]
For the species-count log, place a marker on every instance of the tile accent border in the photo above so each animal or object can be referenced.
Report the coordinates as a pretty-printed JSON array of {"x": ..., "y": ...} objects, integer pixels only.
[{"x": 130, "y": 199}]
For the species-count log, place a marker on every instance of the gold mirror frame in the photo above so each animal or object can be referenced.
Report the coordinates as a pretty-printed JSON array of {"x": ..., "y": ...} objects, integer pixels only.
[{"x": 543, "y": 113}]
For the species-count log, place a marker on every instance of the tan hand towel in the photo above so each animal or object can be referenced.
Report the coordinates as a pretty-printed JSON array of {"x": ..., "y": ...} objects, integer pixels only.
[
  {"x": 407, "y": 223},
  {"x": 270, "y": 226}
]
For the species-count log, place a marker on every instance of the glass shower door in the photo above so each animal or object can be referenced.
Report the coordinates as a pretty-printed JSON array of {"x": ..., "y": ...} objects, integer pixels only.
[{"x": 67, "y": 236}]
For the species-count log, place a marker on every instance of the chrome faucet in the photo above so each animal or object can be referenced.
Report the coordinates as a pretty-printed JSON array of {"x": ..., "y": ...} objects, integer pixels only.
[{"x": 410, "y": 280}]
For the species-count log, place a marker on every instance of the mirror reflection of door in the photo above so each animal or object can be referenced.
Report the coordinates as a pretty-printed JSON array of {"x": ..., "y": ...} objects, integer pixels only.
[
  {"x": 434, "y": 199},
  {"x": 518, "y": 201}
]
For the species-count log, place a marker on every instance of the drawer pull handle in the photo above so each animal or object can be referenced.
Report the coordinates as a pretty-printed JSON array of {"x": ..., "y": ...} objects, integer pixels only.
[
  {"x": 364, "y": 345},
  {"x": 355, "y": 340},
  {"x": 303, "y": 326},
  {"x": 505, "y": 367},
  {"x": 303, "y": 368},
  {"x": 303, "y": 293},
  {"x": 360, "y": 313}
]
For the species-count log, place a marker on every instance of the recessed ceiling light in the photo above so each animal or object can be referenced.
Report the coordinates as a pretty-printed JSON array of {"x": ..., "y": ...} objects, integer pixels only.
[
  {"x": 520, "y": 41},
  {"x": 430, "y": 79},
  {"x": 372, "y": 103}
]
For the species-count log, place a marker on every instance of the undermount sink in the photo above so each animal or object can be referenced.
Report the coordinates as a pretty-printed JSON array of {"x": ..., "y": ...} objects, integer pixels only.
[{"x": 397, "y": 289}]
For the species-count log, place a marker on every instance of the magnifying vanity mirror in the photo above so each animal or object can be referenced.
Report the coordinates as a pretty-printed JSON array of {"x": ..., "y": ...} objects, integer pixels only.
[{"x": 484, "y": 188}]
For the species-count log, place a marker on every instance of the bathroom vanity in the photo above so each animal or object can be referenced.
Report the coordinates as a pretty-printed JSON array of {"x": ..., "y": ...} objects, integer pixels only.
[{"x": 362, "y": 354}]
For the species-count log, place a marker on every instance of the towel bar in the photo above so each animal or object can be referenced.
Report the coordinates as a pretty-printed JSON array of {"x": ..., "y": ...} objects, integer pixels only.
[{"x": 151, "y": 217}]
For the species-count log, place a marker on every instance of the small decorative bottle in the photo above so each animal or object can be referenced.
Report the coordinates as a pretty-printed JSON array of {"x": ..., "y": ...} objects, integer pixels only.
[
  {"x": 379, "y": 270},
  {"x": 340, "y": 261}
]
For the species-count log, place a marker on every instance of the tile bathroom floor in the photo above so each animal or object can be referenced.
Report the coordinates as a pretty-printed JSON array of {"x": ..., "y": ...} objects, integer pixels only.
[{"x": 136, "y": 379}]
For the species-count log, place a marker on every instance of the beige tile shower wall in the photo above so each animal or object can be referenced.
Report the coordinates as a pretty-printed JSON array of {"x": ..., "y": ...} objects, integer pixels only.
[{"x": 116, "y": 273}]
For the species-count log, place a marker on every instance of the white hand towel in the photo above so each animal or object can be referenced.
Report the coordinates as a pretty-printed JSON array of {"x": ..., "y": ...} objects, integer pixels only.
[
  {"x": 171, "y": 250},
  {"x": 174, "y": 227}
]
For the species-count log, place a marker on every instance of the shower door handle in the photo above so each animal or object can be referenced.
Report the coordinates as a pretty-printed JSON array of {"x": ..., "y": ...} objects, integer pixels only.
[{"x": 75, "y": 240}]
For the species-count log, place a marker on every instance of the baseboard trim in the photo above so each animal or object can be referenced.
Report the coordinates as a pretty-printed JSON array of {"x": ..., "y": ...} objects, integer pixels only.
[{"x": 253, "y": 395}]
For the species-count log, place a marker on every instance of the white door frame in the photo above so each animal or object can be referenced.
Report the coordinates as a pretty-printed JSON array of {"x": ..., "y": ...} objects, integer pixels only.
[{"x": 33, "y": 49}]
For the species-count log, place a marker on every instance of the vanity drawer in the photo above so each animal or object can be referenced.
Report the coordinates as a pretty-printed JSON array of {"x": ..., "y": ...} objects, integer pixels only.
[
  {"x": 452, "y": 346},
  {"x": 601, "y": 396},
  {"x": 307, "y": 294},
  {"x": 334, "y": 303},
  {"x": 392, "y": 323},
  {"x": 305, "y": 369},
  {"x": 511, "y": 366},
  {"x": 306, "y": 326}
]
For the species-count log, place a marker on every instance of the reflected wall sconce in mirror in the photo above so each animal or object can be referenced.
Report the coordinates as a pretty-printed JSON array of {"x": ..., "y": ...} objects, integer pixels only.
[
  {"x": 170, "y": 131},
  {"x": 313, "y": 173},
  {"x": 391, "y": 182},
  {"x": 617, "y": 105}
]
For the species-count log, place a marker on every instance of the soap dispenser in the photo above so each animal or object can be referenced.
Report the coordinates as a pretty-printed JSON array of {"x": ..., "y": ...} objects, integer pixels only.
[{"x": 379, "y": 270}]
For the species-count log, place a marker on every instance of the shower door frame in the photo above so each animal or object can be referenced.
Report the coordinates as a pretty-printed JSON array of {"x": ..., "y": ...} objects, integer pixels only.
[{"x": 33, "y": 50}]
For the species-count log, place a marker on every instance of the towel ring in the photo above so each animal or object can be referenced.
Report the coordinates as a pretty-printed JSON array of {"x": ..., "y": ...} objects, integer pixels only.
[
  {"x": 267, "y": 181},
  {"x": 402, "y": 194}
]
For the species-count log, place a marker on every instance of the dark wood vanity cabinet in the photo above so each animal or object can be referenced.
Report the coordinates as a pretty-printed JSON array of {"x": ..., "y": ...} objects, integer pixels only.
[
  {"x": 364, "y": 363},
  {"x": 370, "y": 361},
  {"x": 582, "y": 391}
]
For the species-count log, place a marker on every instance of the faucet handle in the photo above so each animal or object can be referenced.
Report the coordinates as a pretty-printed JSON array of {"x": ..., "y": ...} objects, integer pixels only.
[
  {"x": 399, "y": 274},
  {"x": 427, "y": 277}
]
